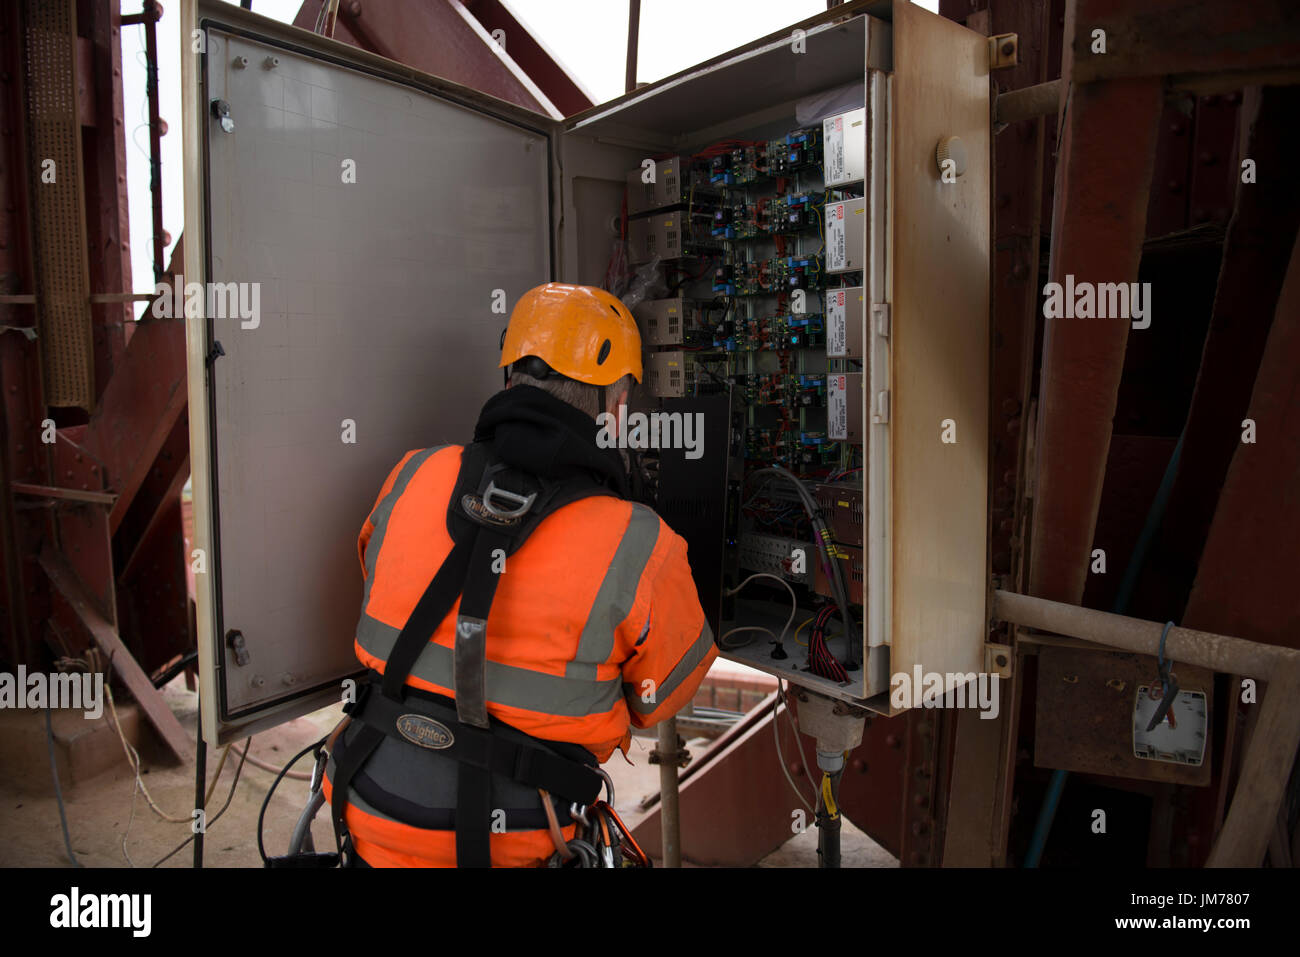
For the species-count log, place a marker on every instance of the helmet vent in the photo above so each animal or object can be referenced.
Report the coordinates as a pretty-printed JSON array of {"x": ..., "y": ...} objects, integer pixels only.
[
  {"x": 614, "y": 309},
  {"x": 604, "y": 351}
]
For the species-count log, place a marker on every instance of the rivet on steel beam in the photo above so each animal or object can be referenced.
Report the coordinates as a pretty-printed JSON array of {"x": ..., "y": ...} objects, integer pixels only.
[
  {"x": 1004, "y": 200},
  {"x": 1019, "y": 271},
  {"x": 1177, "y": 129},
  {"x": 1175, "y": 186},
  {"x": 1208, "y": 159},
  {"x": 354, "y": 8},
  {"x": 893, "y": 740},
  {"x": 796, "y": 768},
  {"x": 857, "y": 764},
  {"x": 921, "y": 800}
]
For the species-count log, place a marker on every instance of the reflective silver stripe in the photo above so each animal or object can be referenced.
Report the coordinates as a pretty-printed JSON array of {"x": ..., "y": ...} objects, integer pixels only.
[
  {"x": 617, "y": 593},
  {"x": 384, "y": 511},
  {"x": 506, "y": 684},
  {"x": 681, "y": 671}
]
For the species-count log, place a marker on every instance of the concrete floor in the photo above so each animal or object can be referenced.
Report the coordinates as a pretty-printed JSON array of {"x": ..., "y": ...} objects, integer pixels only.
[{"x": 100, "y": 810}]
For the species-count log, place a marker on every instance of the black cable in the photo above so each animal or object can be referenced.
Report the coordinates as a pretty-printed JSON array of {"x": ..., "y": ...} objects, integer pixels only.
[
  {"x": 58, "y": 791},
  {"x": 828, "y": 826},
  {"x": 229, "y": 797},
  {"x": 261, "y": 815},
  {"x": 175, "y": 669}
]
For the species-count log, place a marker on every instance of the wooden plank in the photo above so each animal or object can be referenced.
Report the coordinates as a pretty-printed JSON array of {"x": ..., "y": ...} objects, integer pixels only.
[
  {"x": 1269, "y": 757},
  {"x": 939, "y": 345},
  {"x": 105, "y": 635}
]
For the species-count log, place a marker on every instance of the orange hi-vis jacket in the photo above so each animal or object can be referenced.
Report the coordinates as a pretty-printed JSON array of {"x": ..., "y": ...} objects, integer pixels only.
[{"x": 595, "y": 627}]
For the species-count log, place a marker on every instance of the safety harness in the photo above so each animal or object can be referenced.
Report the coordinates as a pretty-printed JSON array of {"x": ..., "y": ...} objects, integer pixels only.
[{"x": 495, "y": 505}]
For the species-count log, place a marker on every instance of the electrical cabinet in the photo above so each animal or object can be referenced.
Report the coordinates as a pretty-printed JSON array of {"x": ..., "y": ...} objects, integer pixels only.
[{"x": 820, "y": 299}]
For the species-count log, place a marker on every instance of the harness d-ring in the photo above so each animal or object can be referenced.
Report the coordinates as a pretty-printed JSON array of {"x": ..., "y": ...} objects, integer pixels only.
[{"x": 522, "y": 503}]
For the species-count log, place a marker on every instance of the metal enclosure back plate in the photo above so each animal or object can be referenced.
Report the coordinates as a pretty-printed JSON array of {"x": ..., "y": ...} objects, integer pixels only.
[{"x": 379, "y": 225}]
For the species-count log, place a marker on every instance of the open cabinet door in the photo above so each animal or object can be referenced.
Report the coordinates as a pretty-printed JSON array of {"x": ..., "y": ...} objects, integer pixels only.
[{"x": 374, "y": 226}]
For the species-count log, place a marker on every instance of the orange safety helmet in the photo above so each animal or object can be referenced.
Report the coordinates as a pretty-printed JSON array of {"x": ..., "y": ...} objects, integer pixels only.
[{"x": 581, "y": 332}]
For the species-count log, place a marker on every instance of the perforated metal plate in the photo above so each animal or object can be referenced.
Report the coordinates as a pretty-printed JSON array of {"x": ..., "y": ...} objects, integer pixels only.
[{"x": 58, "y": 211}]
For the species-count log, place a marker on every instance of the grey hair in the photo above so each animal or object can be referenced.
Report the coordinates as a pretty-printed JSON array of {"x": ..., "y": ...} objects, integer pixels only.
[{"x": 583, "y": 397}]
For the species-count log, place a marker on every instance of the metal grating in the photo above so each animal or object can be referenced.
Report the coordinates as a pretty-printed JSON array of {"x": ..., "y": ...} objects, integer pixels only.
[{"x": 58, "y": 212}]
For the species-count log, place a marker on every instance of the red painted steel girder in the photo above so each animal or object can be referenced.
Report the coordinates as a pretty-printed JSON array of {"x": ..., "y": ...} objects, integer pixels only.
[
  {"x": 442, "y": 38},
  {"x": 1098, "y": 225},
  {"x": 1184, "y": 37},
  {"x": 544, "y": 70},
  {"x": 736, "y": 806},
  {"x": 1245, "y": 585},
  {"x": 1257, "y": 250}
]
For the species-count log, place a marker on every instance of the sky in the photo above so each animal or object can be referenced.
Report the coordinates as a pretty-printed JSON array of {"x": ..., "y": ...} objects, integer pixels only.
[{"x": 588, "y": 36}]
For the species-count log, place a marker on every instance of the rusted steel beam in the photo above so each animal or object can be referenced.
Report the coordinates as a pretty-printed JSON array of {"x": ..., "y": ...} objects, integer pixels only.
[
  {"x": 66, "y": 582},
  {"x": 68, "y": 494},
  {"x": 1183, "y": 38},
  {"x": 108, "y": 230},
  {"x": 1098, "y": 225},
  {"x": 544, "y": 70},
  {"x": 1256, "y": 253},
  {"x": 441, "y": 38},
  {"x": 1245, "y": 583},
  {"x": 141, "y": 406},
  {"x": 737, "y": 808}
]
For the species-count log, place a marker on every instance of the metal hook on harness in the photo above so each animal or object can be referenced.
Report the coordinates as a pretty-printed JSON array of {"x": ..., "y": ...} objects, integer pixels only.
[
  {"x": 609, "y": 785},
  {"x": 584, "y": 855},
  {"x": 579, "y": 814}
]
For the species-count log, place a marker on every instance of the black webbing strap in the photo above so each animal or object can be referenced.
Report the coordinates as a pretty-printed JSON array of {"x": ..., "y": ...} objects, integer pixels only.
[
  {"x": 429, "y": 612},
  {"x": 469, "y": 660},
  {"x": 469, "y": 670},
  {"x": 527, "y": 764},
  {"x": 467, "y": 572}
]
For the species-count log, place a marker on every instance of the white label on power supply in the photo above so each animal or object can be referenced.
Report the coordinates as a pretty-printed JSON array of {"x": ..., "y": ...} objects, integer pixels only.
[
  {"x": 836, "y": 254},
  {"x": 837, "y": 408},
  {"x": 833, "y": 149},
  {"x": 837, "y": 323}
]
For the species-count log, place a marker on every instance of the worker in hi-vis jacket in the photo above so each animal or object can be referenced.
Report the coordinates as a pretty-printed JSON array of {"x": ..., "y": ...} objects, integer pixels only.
[{"x": 520, "y": 615}]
